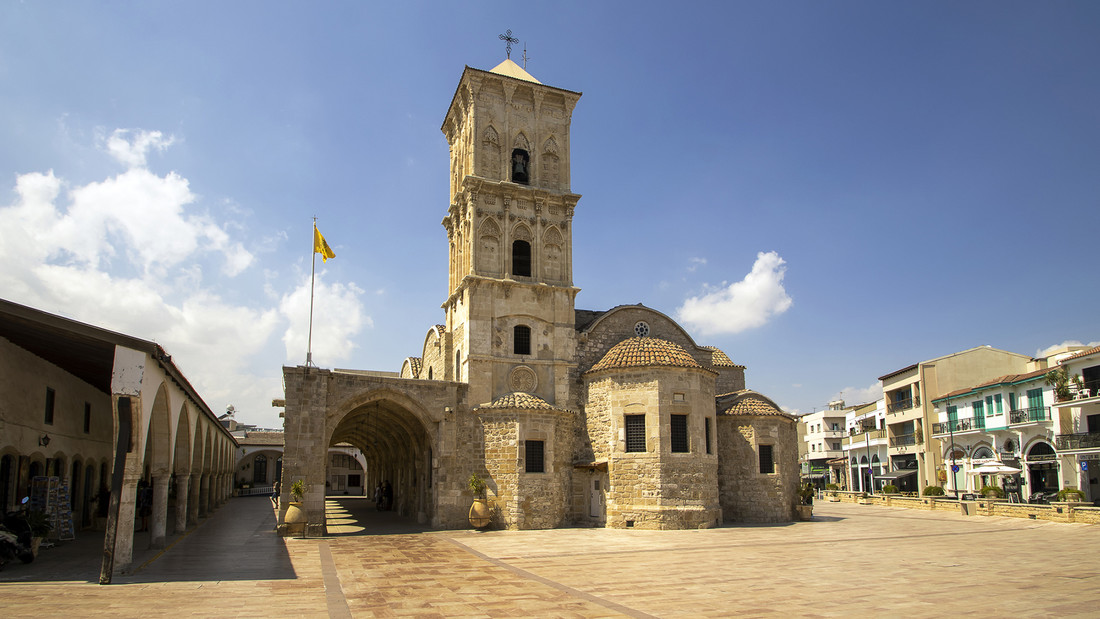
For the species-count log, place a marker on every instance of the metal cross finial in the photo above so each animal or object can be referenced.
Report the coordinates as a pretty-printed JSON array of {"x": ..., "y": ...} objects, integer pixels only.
[
  {"x": 509, "y": 39},
  {"x": 525, "y": 56}
]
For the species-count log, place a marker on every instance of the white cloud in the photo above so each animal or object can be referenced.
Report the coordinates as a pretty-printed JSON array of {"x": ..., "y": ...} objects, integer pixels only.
[
  {"x": 337, "y": 316},
  {"x": 1051, "y": 349},
  {"x": 696, "y": 263},
  {"x": 742, "y": 305},
  {"x": 853, "y": 396},
  {"x": 131, "y": 152},
  {"x": 126, "y": 253}
]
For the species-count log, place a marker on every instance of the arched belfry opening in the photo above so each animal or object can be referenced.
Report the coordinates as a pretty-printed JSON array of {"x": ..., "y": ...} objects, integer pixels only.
[{"x": 397, "y": 450}]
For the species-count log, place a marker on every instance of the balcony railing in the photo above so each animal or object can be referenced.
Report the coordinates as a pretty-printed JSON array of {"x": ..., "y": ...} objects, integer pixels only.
[
  {"x": 1029, "y": 415},
  {"x": 959, "y": 425},
  {"x": 1084, "y": 440},
  {"x": 903, "y": 440},
  {"x": 902, "y": 405},
  {"x": 864, "y": 436}
]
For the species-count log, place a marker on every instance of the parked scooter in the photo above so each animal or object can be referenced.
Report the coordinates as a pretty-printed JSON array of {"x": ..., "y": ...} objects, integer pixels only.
[{"x": 15, "y": 537}]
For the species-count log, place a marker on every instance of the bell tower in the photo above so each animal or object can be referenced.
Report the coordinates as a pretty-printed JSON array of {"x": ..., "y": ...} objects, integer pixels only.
[{"x": 509, "y": 232}]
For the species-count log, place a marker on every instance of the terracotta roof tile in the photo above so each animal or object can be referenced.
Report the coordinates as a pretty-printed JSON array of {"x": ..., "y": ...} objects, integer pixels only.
[
  {"x": 262, "y": 438},
  {"x": 749, "y": 402},
  {"x": 524, "y": 401},
  {"x": 1083, "y": 353},
  {"x": 415, "y": 363},
  {"x": 720, "y": 359},
  {"x": 639, "y": 352}
]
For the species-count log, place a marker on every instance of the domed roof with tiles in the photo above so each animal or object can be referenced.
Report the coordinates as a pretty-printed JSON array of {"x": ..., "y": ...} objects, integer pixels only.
[
  {"x": 524, "y": 401},
  {"x": 641, "y": 352},
  {"x": 749, "y": 402},
  {"x": 720, "y": 359}
]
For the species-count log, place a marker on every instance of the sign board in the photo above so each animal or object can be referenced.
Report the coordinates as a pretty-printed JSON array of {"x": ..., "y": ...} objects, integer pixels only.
[
  {"x": 954, "y": 468},
  {"x": 1084, "y": 465}
]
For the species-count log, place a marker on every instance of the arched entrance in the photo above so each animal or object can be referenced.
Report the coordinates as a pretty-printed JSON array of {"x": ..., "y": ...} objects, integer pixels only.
[
  {"x": 1042, "y": 469},
  {"x": 398, "y": 455}
]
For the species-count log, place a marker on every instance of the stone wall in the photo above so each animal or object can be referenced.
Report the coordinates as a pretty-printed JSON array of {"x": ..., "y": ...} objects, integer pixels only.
[{"x": 746, "y": 494}]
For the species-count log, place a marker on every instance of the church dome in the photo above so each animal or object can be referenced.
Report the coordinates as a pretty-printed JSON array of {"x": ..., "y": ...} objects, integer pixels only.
[
  {"x": 524, "y": 401},
  {"x": 748, "y": 402},
  {"x": 640, "y": 352}
]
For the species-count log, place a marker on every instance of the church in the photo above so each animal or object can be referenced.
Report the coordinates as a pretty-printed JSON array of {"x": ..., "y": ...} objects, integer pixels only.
[{"x": 572, "y": 417}]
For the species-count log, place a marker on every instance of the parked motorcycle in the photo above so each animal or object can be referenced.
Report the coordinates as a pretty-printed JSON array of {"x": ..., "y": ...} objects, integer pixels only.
[{"x": 15, "y": 537}]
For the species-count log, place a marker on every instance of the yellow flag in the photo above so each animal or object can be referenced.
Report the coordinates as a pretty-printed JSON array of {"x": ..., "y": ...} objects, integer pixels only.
[{"x": 320, "y": 245}]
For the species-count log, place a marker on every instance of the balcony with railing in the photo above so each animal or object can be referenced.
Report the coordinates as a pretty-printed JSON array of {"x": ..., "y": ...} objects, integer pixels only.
[
  {"x": 970, "y": 424},
  {"x": 903, "y": 404},
  {"x": 876, "y": 437},
  {"x": 1082, "y": 440},
  {"x": 905, "y": 440},
  {"x": 1033, "y": 414}
]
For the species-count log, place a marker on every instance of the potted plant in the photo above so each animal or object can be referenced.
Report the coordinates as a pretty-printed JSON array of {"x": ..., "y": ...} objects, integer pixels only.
[
  {"x": 933, "y": 491},
  {"x": 1060, "y": 379},
  {"x": 890, "y": 489},
  {"x": 1070, "y": 494},
  {"x": 831, "y": 491},
  {"x": 294, "y": 511},
  {"x": 480, "y": 513},
  {"x": 864, "y": 498},
  {"x": 992, "y": 492}
]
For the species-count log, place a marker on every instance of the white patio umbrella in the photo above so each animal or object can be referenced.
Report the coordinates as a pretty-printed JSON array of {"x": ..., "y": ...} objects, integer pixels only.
[{"x": 994, "y": 468}]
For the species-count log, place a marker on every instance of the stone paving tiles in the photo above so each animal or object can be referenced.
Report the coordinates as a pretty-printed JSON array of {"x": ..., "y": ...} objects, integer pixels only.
[{"x": 850, "y": 561}]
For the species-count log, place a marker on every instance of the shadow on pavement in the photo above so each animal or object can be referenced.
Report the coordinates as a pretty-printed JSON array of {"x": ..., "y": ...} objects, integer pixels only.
[{"x": 236, "y": 542}]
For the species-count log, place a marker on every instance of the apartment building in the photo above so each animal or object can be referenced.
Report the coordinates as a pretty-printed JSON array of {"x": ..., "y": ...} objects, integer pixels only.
[
  {"x": 865, "y": 449},
  {"x": 909, "y": 394},
  {"x": 823, "y": 431},
  {"x": 1077, "y": 423}
]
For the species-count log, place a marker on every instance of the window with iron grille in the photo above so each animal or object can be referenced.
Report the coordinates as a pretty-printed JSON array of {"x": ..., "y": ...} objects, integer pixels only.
[
  {"x": 635, "y": 432},
  {"x": 533, "y": 457},
  {"x": 706, "y": 437},
  {"x": 679, "y": 433},
  {"x": 767, "y": 464},
  {"x": 521, "y": 340}
]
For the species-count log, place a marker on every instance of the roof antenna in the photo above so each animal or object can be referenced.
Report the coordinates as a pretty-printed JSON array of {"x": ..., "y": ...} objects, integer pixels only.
[{"x": 524, "y": 56}]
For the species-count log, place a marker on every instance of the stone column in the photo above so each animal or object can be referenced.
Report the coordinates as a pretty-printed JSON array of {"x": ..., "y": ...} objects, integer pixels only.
[
  {"x": 193, "y": 501},
  {"x": 159, "y": 522},
  {"x": 183, "y": 484},
  {"x": 204, "y": 495},
  {"x": 124, "y": 541}
]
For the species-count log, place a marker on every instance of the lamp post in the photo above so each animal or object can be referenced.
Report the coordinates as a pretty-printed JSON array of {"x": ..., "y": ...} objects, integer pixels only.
[
  {"x": 954, "y": 467},
  {"x": 870, "y": 471}
]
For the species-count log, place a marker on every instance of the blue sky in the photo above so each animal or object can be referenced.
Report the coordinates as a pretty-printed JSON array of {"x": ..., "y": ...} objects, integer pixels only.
[{"x": 826, "y": 191}]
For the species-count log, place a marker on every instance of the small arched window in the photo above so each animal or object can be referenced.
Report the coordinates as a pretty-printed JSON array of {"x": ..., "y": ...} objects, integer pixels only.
[
  {"x": 520, "y": 165},
  {"x": 521, "y": 258},
  {"x": 521, "y": 340}
]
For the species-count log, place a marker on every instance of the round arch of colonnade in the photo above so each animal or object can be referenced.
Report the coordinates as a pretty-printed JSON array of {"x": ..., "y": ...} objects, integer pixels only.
[
  {"x": 393, "y": 432},
  {"x": 183, "y": 466}
]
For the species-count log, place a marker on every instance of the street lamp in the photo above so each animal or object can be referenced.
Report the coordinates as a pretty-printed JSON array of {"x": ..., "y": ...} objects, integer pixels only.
[{"x": 954, "y": 467}]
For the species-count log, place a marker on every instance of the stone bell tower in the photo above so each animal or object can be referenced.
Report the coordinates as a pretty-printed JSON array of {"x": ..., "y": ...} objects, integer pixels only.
[{"x": 509, "y": 229}]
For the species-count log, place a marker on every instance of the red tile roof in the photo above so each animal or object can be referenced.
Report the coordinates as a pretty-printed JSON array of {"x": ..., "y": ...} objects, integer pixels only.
[{"x": 638, "y": 352}]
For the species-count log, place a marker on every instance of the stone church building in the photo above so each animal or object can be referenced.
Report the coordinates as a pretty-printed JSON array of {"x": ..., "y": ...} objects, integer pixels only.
[{"x": 613, "y": 418}]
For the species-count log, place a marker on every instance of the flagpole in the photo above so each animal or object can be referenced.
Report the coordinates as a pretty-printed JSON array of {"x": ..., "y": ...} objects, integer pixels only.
[{"x": 312, "y": 273}]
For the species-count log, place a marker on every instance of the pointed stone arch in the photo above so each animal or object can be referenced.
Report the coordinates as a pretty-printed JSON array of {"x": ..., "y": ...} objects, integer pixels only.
[
  {"x": 553, "y": 255},
  {"x": 489, "y": 259}
]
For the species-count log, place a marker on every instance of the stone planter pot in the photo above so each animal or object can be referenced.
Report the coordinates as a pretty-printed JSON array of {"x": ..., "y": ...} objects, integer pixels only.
[
  {"x": 804, "y": 512},
  {"x": 294, "y": 513},
  {"x": 833, "y": 499},
  {"x": 863, "y": 501},
  {"x": 480, "y": 514}
]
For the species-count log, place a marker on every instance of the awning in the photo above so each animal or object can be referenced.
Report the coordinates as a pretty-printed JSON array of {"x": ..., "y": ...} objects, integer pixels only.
[{"x": 897, "y": 474}]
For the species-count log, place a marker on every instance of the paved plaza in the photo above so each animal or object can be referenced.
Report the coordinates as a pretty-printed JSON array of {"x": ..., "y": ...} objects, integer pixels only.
[{"x": 852, "y": 560}]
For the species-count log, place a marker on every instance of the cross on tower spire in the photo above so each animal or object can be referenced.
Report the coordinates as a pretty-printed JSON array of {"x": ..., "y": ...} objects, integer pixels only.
[{"x": 509, "y": 39}]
